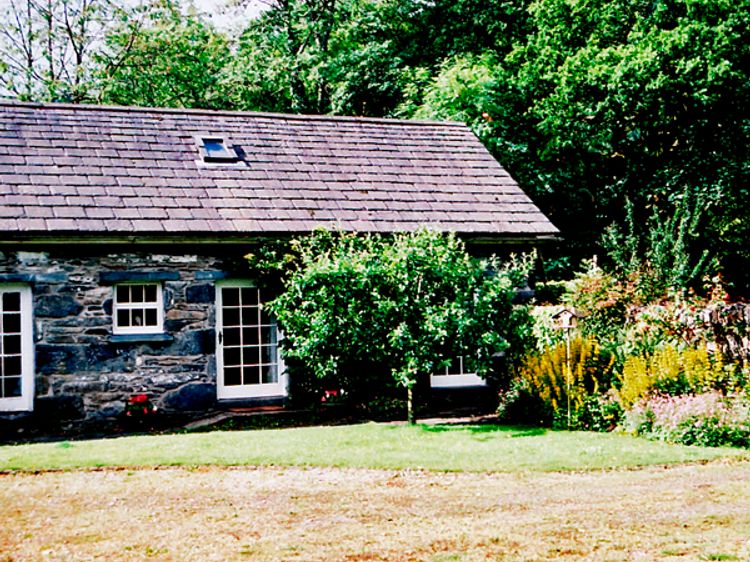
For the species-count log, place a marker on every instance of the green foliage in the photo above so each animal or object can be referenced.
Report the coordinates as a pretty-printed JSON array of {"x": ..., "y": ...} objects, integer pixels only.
[
  {"x": 403, "y": 305},
  {"x": 546, "y": 377},
  {"x": 665, "y": 260},
  {"x": 596, "y": 413},
  {"x": 165, "y": 57},
  {"x": 545, "y": 330},
  {"x": 588, "y": 104},
  {"x": 603, "y": 101},
  {"x": 601, "y": 300}
]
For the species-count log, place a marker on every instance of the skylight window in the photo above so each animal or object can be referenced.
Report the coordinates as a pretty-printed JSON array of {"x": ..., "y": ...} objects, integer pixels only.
[{"x": 215, "y": 149}]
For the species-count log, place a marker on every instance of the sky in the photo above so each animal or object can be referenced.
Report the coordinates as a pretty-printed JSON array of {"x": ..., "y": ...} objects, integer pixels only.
[{"x": 224, "y": 17}]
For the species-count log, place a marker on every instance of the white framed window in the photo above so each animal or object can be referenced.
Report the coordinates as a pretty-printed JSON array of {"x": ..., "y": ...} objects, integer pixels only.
[
  {"x": 138, "y": 308},
  {"x": 456, "y": 376},
  {"x": 16, "y": 349}
]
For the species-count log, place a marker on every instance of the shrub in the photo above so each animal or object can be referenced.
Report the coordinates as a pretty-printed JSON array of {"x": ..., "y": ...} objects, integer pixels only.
[
  {"x": 545, "y": 378},
  {"x": 601, "y": 300},
  {"x": 709, "y": 419},
  {"x": 673, "y": 371},
  {"x": 597, "y": 413},
  {"x": 355, "y": 306}
]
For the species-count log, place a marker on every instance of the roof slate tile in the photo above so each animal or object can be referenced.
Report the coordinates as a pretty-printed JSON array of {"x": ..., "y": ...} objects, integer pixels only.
[{"x": 78, "y": 169}]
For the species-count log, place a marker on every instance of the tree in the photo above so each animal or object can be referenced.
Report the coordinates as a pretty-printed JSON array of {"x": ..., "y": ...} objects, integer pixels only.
[
  {"x": 282, "y": 53},
  {"x": 47, "y": 47},
  {"x": 608, "y": 100},
  {"x": 164, "y": 55},
  {"x": 410, "y": 302}
]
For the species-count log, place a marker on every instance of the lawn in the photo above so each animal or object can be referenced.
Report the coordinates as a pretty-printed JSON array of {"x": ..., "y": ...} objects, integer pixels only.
[
  {"x": 481, "y": 448},
  {"x": 690, "y": 513},
  {"x": 374, "y": 492}
]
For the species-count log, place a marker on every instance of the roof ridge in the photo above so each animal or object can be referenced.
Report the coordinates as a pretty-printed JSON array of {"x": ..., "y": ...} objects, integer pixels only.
[{"x": 4, "y": 102}]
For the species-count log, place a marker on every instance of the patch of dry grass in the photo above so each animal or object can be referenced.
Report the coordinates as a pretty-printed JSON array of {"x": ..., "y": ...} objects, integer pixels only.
[{"x": 696, "y": 512}]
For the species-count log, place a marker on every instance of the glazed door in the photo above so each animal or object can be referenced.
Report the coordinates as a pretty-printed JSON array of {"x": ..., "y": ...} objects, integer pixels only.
[
  {"x": 16, "y": 349},
  {"x": 247, "y": 359}
]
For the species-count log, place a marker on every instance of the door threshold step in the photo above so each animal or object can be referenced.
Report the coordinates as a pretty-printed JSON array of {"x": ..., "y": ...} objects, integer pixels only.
[
  {"x": 239, "y": 413},
  {"x": 253, "y": 409}
]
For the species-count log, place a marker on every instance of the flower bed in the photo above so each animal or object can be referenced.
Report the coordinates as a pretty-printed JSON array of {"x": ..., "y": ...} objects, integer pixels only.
[{"x": 709, "y": 419}]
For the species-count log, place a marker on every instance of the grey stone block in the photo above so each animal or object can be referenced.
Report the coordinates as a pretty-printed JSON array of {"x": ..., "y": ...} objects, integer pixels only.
[
  {"x": 205, "y": 293},
  {"x": 57, "y": 306},
  {"x": 51, "y": 409},
  {"x": 111, "y": 409},
  {"x": 192, "y": 397}
]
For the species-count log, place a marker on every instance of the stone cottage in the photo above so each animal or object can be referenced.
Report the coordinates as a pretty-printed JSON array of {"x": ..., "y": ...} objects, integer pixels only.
[{"x": 122, "y": 232}]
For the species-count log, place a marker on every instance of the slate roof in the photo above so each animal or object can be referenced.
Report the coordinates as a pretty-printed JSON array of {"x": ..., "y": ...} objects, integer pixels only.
[{"x": 116, "y": 170}]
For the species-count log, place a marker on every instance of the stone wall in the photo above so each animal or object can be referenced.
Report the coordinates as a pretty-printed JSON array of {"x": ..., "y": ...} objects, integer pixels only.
[{"x": 83, "y": 373}]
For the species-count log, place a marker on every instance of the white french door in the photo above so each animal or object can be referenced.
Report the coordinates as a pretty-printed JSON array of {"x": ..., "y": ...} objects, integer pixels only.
[
  {"x": 247, "y": 353},
  {"x": 16, "y": 349}
]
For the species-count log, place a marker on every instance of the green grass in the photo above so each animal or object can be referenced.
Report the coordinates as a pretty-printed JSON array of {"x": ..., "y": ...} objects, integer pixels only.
[{"x": 441, "y": 447}]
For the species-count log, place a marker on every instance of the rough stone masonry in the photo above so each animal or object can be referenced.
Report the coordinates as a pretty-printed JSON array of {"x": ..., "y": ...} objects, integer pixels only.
[{"x": 82, "y": 371}]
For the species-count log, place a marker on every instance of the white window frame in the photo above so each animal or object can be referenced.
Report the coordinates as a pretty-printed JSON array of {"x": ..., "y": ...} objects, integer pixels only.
[
  {"x": 456, "y": 380},
  {"x": 278, "y": 389},
  {"x": 25, "y": 402},
  {"x": 159, "y": 306}
]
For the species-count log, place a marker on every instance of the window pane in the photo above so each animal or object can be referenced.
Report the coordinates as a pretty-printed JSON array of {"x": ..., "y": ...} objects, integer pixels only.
[
  {"x": 250, "y": 316},
  {"x": 249, "y": 296},
  {"x": 151, "y": 317},
  {"x": 269, "y": 374},
  {"x": 136, "y": 317},
  {"x": 250, "y": 336},
  {"x": 268, "y": 334},
  {"x": 231, "y": 316},
  {"x": 265, "y": 318},
  {"x": 230, "y": 297},
  {"x": 11, "y": 323},
  {"x": 250, "y": 375},
  {"x": 250, "y": 356},
  {"x": 11, "y": 387},
  {"x": 11, "y": 345},
  {"x": 123, "y": 294},
  {"x": 231, "y": 336},
  {"x": 232, "y": 356},
  {"x": 268, "y": 354},
  {"x": 150, "y": 293},
  {"x": 123, "y": 318},
  {"x": 11, "y": 366},
  {"x": 215, "y": 148},
  {"x": 12, "y": 302},
  {"x": 136, "y": 293},
  {"x": 233, "y": 376}
]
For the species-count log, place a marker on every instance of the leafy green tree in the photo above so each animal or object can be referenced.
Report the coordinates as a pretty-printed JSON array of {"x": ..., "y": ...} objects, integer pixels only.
[
  {"x": 409, "y": 303},
  {"x": 607, "y": 100},
  {"x": 164, "y": 55},
  {"x": 283, "y": 54}
]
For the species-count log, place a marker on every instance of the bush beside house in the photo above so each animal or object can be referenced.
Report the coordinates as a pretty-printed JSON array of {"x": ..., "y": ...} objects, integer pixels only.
[{"x": 373, "y": 312}]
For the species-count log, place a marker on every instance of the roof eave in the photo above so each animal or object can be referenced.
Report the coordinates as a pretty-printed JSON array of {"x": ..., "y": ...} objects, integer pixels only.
[{"x": 208, "y": 238}]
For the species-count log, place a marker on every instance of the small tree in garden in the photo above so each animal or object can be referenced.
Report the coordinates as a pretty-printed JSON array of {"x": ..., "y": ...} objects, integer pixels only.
[{"x": 408, "y": 303}]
